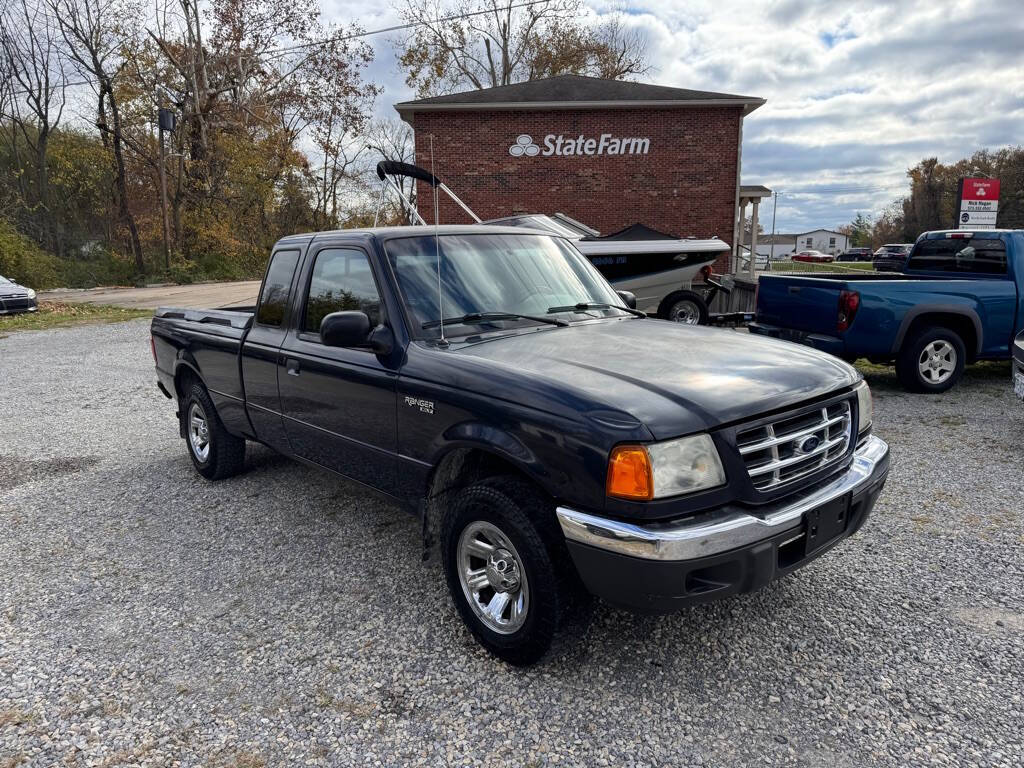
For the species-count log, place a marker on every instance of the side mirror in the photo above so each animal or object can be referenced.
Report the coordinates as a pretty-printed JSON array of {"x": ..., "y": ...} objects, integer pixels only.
[
  {"x": 628, "y": 298},
  {"x": 344, "y": 329}
]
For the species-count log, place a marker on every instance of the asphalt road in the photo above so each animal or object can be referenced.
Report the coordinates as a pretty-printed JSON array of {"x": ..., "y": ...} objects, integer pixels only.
[
  {"x": 148, "y": 617},
  {"x": 194, "y": 296}
]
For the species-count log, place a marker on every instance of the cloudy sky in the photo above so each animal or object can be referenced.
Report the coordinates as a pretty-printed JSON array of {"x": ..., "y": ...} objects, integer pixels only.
[{"x": 857, "y": 92}]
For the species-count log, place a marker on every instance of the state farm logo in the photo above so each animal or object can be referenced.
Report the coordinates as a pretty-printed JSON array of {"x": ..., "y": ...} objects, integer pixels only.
[
  {"x": 566, "y": 146},
  {"x": 524, "y": 146}
]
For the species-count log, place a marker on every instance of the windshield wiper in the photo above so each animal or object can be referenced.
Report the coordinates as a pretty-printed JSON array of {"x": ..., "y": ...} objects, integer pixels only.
[
  {"x": 583, "y": 306},
  {"x": 485, "y": 317}
]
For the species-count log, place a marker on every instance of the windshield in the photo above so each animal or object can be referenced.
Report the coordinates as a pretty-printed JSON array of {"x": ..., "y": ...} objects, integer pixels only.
[{"x": 521, "y": 274}]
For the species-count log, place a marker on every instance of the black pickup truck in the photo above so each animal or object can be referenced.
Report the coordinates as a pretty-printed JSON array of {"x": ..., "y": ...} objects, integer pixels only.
[{"x": 552, "y": 439}]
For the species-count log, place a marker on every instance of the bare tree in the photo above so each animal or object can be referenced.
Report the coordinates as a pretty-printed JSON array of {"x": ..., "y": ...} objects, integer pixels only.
[
  {"x": 448, "y": 49},
  {"x": 392, "y": 140},
  {"x": 32, "y": 59},
  {"x": 95, "y": 32}
]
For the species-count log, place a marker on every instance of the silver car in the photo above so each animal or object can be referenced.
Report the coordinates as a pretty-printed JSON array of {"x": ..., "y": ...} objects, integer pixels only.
[{"x": 16, "y": 298}]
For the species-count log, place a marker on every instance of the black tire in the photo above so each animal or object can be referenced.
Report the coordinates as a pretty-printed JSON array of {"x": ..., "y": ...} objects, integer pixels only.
[
  {"x": 688, "y": 304},
  {"x": 909, "y": 360},
  {"x": 226, "y": 453},
  {"x": 527, "y": 519}
]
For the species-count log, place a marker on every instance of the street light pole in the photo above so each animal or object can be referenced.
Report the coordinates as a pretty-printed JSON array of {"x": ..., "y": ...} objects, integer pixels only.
[{"x": 163, "y": 198}]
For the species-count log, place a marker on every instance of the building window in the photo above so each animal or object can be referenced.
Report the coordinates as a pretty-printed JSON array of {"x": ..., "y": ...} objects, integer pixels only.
[
  {"x": 810, "y": 241},
  {"x": 831, "y": 242}
]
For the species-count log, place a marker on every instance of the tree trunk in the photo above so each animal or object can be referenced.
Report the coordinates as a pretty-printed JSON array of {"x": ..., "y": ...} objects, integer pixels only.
[{"x": 122, "y": 177}]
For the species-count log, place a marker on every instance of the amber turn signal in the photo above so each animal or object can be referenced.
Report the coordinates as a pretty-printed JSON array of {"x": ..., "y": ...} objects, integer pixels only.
[{"x": 629, "y": 474}]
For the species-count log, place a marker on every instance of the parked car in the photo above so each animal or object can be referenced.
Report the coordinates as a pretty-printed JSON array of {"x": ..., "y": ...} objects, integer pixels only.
[
  {"x": 549, "y": 436},
  {"x": 855, "y": 254},
  {"x": 1018, "y": 365},
  {"x": 814, "y": 257},
  {"x": 891, "y": 257},
  {"x": 959, "y": 299},
  {"x": 16, "y": 298}
]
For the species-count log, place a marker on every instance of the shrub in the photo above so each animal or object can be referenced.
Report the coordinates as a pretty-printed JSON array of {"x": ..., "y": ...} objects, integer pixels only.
[{"x": 25, "y": 262}]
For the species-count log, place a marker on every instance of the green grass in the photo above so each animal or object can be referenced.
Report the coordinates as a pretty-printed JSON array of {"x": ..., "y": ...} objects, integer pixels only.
[
  {"x": 54, "y": 314},
  {"x": 833, "y": 267}
]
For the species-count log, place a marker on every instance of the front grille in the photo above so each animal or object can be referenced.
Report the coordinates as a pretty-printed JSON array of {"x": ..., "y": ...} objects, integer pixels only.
[
  {"x": 12, "y": 302},
  {"x": 794, "y": 446}
]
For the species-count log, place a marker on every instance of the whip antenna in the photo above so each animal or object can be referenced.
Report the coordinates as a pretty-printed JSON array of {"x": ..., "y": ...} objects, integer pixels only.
[{"x": 437, "y": 245}]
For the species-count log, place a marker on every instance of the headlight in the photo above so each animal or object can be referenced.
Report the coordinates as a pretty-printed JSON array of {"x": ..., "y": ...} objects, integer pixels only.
[
  {"x": 864, "y": 406},
  {"x": 31, "y": 293},
  {"x": 645, "y": 472}
]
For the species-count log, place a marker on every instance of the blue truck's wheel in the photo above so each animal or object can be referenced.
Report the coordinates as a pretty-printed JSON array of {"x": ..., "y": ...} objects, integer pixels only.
[
  {"x": 505, "y": 568},
  {"x": 932, "y": 361},
  {"x": 215, "y": 452}
]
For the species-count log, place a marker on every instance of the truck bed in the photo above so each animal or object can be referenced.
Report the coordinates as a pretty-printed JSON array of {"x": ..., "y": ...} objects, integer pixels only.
[{"x": 208, "y": 340}]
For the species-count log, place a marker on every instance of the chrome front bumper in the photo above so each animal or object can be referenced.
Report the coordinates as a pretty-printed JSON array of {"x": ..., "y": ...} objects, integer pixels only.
[{"x": 725, "y": 529}]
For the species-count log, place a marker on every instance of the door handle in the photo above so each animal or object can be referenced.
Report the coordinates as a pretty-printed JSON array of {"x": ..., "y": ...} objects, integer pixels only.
[{"x": 292, "y": 366}]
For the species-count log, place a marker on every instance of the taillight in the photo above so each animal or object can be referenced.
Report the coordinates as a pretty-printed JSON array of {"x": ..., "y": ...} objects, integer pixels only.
[
  {"x": 152, "y": 347},
  {"x": 849, "y": 302}
]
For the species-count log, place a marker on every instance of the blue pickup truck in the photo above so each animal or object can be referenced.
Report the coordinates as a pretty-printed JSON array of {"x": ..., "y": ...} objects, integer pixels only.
[{"x": 959, "y": 299}]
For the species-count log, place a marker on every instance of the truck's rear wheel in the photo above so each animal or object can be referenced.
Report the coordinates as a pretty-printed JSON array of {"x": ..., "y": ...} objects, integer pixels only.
[
  {"x": 215, "y": 452},
  {"x": 687, "y": 307},
  {"x": 931, "y": 361},
  {"x": 505, "y": 571}
]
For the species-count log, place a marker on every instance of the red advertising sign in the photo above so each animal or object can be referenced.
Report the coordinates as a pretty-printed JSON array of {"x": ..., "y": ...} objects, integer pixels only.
[
  {"x": 979, "y": 203},
  {"x": 981, "y": 189}
]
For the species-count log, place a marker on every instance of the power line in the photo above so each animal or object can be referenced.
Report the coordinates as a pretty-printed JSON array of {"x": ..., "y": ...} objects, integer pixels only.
[{"x": 345, "y": 37}]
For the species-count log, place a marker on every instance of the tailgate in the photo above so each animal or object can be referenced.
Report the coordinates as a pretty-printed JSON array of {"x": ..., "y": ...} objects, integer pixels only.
[{"x": 800, "y": 303}]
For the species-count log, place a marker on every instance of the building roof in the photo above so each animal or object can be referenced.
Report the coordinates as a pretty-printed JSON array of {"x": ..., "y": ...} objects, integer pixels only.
[
  {"x": 822, "y": 229},
  {"x": 755, "y": 190},
  {"x": 576, "y": 92}
]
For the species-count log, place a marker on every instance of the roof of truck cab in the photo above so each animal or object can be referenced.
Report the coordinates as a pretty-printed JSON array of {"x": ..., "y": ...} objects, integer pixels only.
[{"x": 413, "y": 231}]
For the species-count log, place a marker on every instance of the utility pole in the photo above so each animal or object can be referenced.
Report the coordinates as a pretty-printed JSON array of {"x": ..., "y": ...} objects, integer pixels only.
[{"x": 165, "y": 119}]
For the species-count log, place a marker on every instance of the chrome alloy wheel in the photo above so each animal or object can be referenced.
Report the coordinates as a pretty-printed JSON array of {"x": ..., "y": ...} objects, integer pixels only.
[
  {"x": 493, "y": 578},
  {"x": 198, "y": 432},
  {"x": 684, "y": 311},
  {"x": 937, "y": 361}
]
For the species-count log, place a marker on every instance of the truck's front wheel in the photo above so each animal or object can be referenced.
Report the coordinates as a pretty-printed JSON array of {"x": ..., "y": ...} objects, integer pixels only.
[
  {"x": 931, "y": 361},
  {"x": 215, "y": 452},
  {"x": 503, "y": 568}
]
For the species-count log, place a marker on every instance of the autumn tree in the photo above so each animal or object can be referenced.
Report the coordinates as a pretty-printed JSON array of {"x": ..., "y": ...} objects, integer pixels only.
[
  {"x": 33, "y": 66},
  {"x": 95, "y": 32},
  {"x": 466, "y": 45}
]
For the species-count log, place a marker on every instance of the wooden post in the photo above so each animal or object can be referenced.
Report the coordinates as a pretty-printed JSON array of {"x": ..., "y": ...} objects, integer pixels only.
[{"x": 753, "y": 238}]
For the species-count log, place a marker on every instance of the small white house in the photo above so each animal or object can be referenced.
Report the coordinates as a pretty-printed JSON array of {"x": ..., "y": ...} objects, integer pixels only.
[
  {"x": 776, "y": 246},
  {"x": 824, "y": 240}
]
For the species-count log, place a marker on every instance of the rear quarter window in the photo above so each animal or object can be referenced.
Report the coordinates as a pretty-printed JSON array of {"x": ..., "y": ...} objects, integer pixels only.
[{"x": 276, "y": 287}]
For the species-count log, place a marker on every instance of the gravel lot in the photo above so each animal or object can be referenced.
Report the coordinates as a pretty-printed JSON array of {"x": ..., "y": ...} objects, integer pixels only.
[{"x": 148, "y": 617}]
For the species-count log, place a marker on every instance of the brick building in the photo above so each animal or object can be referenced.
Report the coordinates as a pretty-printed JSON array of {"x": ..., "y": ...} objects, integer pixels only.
[{"x": 608, "y": 153}]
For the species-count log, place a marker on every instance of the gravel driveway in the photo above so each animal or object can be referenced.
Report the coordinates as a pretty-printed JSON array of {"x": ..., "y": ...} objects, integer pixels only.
[{"x": 282, "y": 617}]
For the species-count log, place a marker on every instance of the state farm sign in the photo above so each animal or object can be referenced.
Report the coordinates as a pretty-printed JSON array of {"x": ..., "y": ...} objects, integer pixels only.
[
  {"x": 563, "y": 146},
  {"x": 979, "y": 203}
]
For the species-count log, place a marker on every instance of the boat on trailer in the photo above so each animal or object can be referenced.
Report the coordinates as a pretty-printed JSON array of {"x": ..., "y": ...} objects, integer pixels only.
[{"x": 657, "y": 268}]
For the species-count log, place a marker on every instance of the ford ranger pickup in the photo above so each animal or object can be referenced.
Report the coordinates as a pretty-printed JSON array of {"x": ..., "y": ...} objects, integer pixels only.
[
  {"x": 553, "y": 440},
  {"x": 959, "y": 299}
]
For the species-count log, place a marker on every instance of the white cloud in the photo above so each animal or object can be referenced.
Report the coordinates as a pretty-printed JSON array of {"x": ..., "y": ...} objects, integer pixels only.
[{"x": 857, "y": 92}]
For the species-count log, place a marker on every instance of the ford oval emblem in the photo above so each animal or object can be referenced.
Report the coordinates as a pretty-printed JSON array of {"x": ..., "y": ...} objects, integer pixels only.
[{"x": 808, "y": 444}]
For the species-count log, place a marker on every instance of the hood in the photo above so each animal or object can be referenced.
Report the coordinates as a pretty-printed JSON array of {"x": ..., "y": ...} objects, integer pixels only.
[
  {"x": 8, "y": 288},
  {"x": 674, "y": 378}
]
